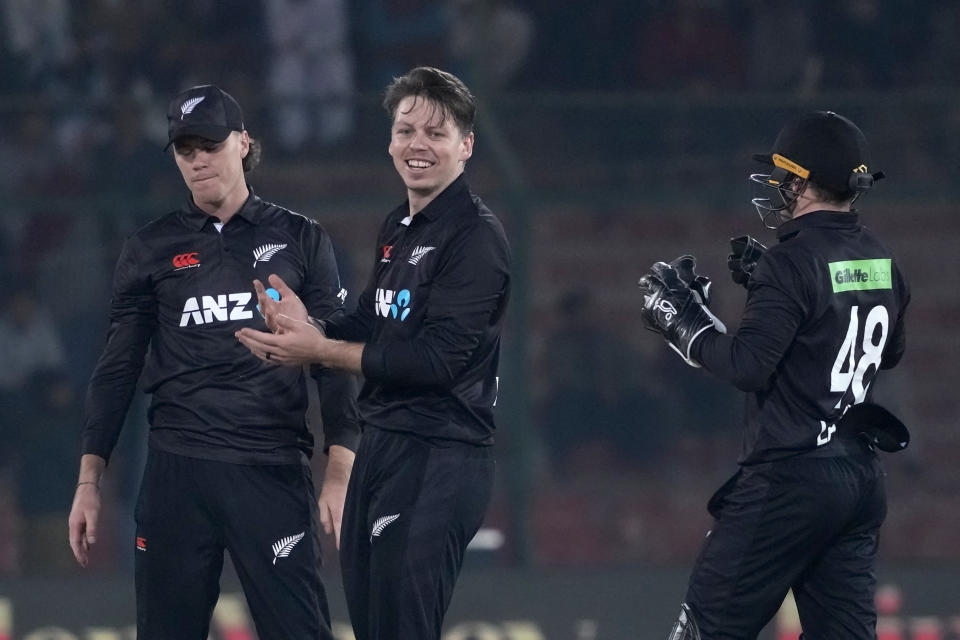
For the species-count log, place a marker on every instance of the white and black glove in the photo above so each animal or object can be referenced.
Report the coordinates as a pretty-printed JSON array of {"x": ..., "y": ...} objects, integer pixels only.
[
  {"x": 672, "y": 309},
  {"x": 686, "y": 266}
]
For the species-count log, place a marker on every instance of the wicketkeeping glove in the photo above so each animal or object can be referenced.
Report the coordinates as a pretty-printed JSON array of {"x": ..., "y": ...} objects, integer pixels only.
[
  {"x": 686, "y": 268},
  {"x": 671, "y": 309},
  {"x": 746, "y": 252}
]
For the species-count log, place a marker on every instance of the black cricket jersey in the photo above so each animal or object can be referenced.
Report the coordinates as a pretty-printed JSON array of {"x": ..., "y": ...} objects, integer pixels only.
[
  {"x": 431, "y": 317},
  {"x": 824, "y": 313},
  {"x": 182, "y": 287}
]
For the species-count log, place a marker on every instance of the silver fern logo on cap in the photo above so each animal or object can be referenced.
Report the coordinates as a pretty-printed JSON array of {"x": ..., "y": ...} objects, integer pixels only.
[
  {"x": 190, "y": 105},
  {"x": 283, "y": 546}
]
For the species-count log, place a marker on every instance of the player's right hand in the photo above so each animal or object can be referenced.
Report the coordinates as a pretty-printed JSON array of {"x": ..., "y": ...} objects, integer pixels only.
[
  {"x": 746, "y": 253},
  {"x": 671, "y": 309},
  {"x": 83, "y": 520},
  {"x": 333, "y": 493}
]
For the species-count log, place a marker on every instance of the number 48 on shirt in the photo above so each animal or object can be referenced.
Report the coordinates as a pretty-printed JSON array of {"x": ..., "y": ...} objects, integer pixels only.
[{"x": 850, "y": 373}]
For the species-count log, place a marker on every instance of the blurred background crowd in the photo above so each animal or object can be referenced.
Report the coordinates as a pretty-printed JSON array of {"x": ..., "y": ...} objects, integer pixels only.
[{"x": 609, "y": 136}]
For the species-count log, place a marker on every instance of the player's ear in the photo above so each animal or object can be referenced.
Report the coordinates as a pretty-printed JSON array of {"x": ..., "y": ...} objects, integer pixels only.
[
  {"x": 244, "y": 143},
  {"x": 466, "y": 148}
]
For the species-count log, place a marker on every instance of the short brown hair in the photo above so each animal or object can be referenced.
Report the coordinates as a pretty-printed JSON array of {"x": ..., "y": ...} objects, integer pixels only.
[{"x": 444, "y": 89}]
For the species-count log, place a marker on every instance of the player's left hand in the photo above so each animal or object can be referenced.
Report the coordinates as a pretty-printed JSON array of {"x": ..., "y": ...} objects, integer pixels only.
[
  {"x": 333, "y": 492},
  {"x": 295, "y": 342},
  {"x": 671, "y": 309},
  {"x": 746, "y": 251},
  {"x": 280, "y": 299}
]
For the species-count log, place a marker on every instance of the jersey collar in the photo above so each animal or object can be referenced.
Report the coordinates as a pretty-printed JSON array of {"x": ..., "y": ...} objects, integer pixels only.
[
  {"x": 441, "y": 203},
  {"x": 817, "y": 219},
  {"x": 251, "y": 211}
]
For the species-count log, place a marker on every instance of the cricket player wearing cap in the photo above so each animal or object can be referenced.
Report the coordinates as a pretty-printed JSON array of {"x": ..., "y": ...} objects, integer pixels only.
[
  {"x": 229, "y": 445},
  {"x": 824, "y": 314}
]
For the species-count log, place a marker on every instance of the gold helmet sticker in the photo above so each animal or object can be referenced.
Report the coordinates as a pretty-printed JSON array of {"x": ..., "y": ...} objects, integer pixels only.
[{"x": 790, "y": 165}]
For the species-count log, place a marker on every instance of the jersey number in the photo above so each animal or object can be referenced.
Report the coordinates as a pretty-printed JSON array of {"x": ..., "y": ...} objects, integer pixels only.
[{"x": 848, "y": 372}]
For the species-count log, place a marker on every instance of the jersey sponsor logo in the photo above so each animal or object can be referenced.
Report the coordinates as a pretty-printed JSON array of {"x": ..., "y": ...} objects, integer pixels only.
[
  {"x": 395, "y": 304},
  {"x": 141, "y": 543},
  {"x": 380, "y": 524},
  {"x": 387, "y": 248},
  {"x": 417, "y": 254},
  {"x": 186, "y": 260},
  {"x": 220, "y": 308},
  {"x": 191, "y": 104},
  {"x": 283, "y": 546},
  {"x": 861, "y": 275},
  {"x": 267, "y": 251}
]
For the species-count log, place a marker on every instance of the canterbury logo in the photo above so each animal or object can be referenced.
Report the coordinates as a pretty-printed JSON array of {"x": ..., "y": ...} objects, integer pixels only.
[
  {"x": 380, "y": 524},
  {"x": 185, "y": 260},
  {"x": 190, "y": 105},
  {"x": 417, "y": 254},
  {"x": 267, "y": 251},
  {"x": 283, "y": 546}
]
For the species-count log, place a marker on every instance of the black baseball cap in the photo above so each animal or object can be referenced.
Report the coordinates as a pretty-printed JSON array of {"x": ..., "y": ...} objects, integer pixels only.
[
  {"x": 206, "y": 111},
  {"x": 823, "y": 146}
]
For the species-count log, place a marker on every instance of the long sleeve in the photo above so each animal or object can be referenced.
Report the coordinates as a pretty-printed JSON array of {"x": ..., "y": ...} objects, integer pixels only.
[
  {"x": 749, "y": 357},
  {"x": 358, "y": 326},
  {"x": 323, "y": 295},
  {"x": 133, "y": 321}
]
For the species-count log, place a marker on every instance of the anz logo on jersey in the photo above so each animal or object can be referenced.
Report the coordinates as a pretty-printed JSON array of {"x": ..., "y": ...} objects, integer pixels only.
[
  {"x": 393, "y": 304},
  {"x": 220, "y": 308}
]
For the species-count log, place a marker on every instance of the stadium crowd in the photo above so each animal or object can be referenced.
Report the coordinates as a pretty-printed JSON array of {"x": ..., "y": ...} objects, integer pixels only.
[{"x": 625, "y": 446}]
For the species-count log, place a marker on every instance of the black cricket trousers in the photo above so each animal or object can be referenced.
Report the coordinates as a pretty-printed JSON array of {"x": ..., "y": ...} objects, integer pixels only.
[
  {"x": 190, "y": 510},
  {"x": 410, "y": 512},
  {"x": 808, "y": 523}
]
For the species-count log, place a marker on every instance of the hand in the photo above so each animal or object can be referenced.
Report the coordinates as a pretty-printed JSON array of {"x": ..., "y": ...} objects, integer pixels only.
[
  {"x": 746, "y": 252},
  {"x": 288, "y": 304},
  {"x": 295, "y": 342},
  {"x": 671, "y": 309},
  {"x": 333, "y": 493},
  {"x": 83, "y": 520},
  {"x": 700, "y": 285}
]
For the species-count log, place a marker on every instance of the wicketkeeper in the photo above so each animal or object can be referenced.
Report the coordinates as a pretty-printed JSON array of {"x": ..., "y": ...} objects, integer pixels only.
[{"x": 824, "y": 314}]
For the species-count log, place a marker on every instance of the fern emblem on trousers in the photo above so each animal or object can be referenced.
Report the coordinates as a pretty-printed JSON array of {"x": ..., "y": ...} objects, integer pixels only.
[
  {"x": 283, "y": 546},
  {"x": 380, "y": 524}
]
